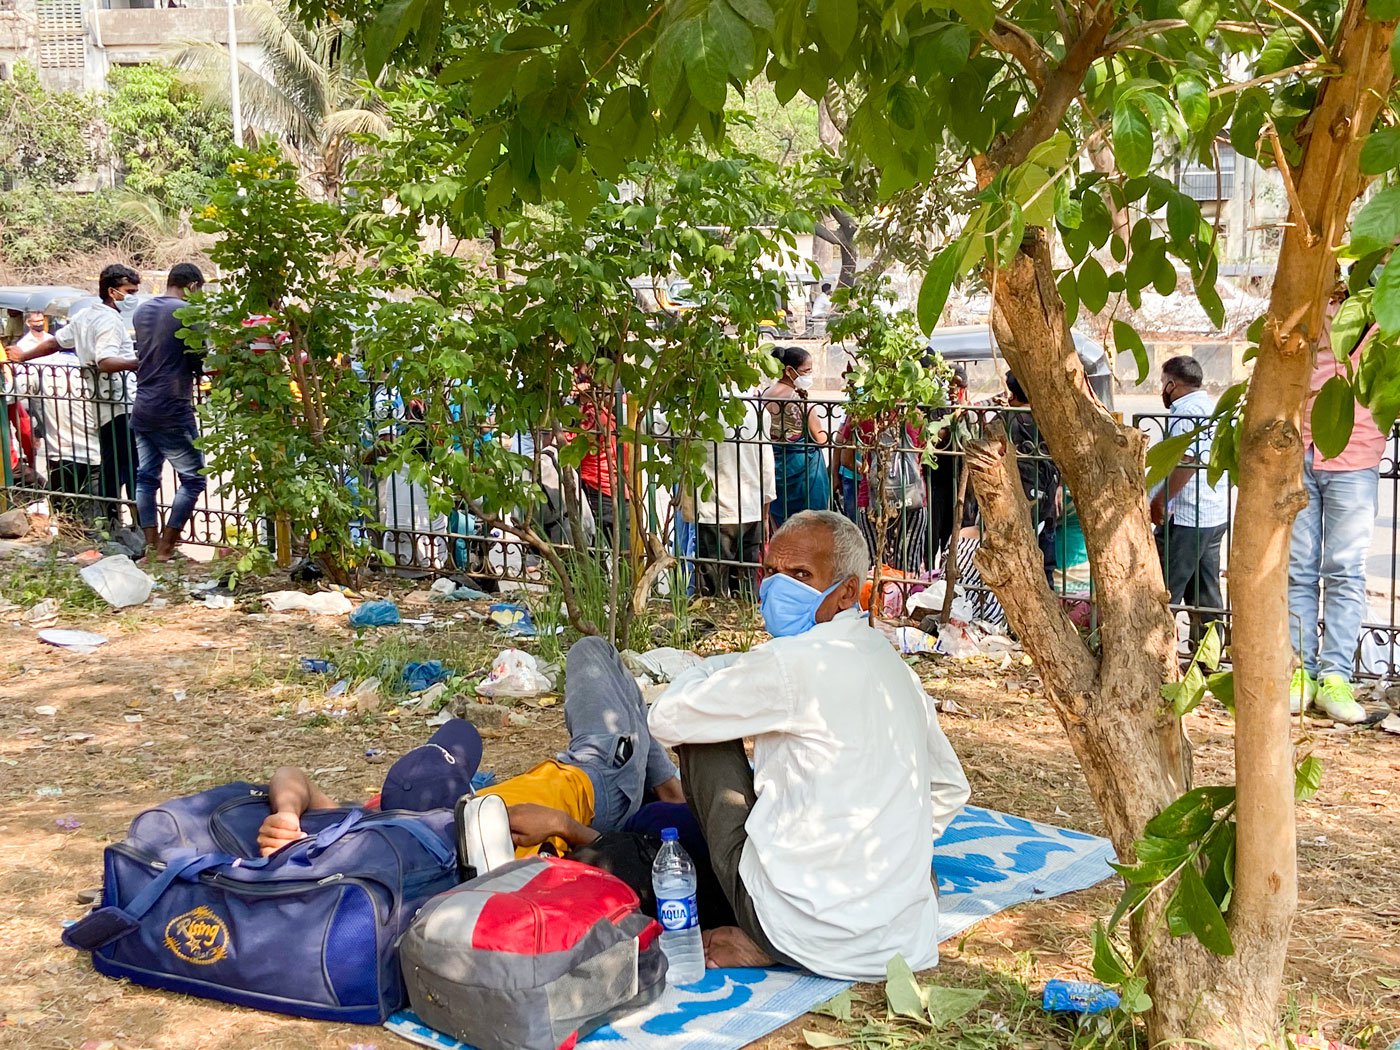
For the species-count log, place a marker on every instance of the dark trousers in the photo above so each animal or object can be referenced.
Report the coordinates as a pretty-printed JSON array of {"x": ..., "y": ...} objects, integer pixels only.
[
  {"x": 1191, "y": 566},
  {"x": 1047, "y": 538},
  {"x": 118, "y": 465},
  {"x": 717, "y": 544},
  {"x": 718, "y": 784},
  {"x": 74, "y": 479},
  {"x": 603, "y": 514}
]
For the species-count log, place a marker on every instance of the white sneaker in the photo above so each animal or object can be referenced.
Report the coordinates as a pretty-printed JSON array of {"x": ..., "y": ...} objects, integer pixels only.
[{"x": 483, "y": 832}]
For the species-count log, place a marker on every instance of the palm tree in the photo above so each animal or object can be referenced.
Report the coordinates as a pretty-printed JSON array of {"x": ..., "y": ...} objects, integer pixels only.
[{"x": 309, "y": 92}]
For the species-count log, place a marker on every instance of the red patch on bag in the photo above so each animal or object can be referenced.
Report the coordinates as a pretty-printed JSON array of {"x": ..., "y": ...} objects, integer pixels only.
[{"x": 552, "y": 911}]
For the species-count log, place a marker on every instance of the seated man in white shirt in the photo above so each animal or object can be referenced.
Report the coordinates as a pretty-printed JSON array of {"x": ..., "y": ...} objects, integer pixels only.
[{"x": 825, "y": 846}]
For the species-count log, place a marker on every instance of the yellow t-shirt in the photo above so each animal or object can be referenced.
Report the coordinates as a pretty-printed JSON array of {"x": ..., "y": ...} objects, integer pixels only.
[{"x": 553, "y": 784}]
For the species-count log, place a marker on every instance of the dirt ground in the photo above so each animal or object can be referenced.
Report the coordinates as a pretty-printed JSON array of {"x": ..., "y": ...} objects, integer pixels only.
[{"x": 185, "y": 697}]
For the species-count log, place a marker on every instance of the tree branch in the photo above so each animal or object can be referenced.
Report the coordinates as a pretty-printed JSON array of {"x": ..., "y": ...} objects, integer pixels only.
[
  {"x": 1062, "y": 85},
  {"x": 1010, "y": 39},
  {"x": 1011, "y": 564}
]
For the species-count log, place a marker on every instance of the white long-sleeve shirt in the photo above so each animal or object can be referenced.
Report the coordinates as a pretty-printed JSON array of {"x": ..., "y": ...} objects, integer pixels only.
[
  {"x": 740, "y": 469},
  {"x": 854, "y": 782}
]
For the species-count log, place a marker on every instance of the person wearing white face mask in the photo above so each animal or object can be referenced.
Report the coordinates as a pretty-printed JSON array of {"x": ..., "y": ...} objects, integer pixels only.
[
  {"x": 798, "y": 432},
  {"x": 824, "y": 846}
]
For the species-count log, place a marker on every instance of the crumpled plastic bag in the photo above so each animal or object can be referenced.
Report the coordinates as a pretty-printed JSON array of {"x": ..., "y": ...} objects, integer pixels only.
[
  {"x": 118, "y": 580},
  {"x": 930, "y": 600},
  {"x": 375, "y": 614},
  {"x": 322, "y": 603},
  {"x": 515, "y": 673},
  {"x": 909, "y": 640},
  {"x": 958, "y": 641}
]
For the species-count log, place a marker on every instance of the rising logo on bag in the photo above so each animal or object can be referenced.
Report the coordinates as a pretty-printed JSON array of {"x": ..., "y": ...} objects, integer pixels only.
[{"x": 198, "y": 937}]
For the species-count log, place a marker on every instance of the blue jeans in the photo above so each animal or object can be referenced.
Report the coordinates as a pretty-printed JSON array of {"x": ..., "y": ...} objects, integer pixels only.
[
  {"x": 1331, "y": 537},
  {"x": 155, "y": 448}
]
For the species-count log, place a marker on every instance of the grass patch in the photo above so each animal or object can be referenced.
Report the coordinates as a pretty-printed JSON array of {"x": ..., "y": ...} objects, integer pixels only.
[
  {"x": 29, "y": 583},
  {"x": 385, "y": 654}
]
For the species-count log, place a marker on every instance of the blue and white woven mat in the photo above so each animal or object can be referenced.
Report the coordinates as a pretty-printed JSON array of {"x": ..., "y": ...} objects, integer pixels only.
[{"x": 986, "y": 862}]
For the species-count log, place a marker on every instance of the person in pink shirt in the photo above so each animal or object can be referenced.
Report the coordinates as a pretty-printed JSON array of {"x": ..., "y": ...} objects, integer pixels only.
[{"x": 1327, "y": 560}]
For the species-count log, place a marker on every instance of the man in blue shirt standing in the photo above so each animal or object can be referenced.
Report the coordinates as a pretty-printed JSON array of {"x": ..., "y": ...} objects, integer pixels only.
[
  {"x": 163, "y": 418},
  {"x": 1191, "y": 514}
]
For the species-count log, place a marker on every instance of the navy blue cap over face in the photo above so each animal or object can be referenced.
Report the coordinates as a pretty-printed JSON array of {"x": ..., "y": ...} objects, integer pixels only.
[{"x": 437, "y": 774}]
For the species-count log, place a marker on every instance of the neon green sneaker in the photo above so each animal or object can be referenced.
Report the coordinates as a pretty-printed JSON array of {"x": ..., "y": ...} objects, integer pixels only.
[
  {"x": 1301, "y": 692},
  {"x": 1338, "y": 702}
]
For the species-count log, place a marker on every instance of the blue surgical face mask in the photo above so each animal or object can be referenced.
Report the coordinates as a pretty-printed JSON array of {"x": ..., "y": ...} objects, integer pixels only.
[{"x": 789, "y": 606}]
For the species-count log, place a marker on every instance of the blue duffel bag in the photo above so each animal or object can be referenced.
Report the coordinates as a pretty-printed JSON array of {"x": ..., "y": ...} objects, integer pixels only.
[{"x": 312, "y": 930}]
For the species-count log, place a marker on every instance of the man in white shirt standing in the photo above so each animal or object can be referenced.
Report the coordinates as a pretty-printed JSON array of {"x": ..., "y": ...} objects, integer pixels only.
[
  {"x": 825, "y": 846},
  {"x": 102, "y": 341},
  {"x": 731, "y": 514},
  {"x": 1191, "y": 514}
]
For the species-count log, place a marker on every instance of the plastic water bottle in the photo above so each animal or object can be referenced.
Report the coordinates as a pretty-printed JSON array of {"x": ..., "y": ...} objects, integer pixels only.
[{"x": 673, "y": 879}]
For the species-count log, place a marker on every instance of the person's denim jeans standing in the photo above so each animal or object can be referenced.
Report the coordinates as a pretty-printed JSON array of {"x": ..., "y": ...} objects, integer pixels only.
[
  {"x": 155, "y": 448},
  {"x": 1331, "y": 537}
]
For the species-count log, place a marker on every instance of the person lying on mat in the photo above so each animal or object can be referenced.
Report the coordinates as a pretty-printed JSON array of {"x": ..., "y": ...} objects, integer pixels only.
[
  {"x": 824, "y": 847},
  {"x": 609, "y": 768}
]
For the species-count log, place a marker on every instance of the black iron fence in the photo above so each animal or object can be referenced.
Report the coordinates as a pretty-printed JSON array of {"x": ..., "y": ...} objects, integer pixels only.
[{"x": 901, "y": 481}]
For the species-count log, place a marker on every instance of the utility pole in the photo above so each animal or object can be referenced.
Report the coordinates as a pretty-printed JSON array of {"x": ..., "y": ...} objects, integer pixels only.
[{"x": 235, "y": 101}]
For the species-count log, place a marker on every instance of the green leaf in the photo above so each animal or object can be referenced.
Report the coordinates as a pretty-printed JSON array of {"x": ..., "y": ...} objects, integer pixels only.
[
  {"x": 1377, "y": 224},
  {"x": 821, "y": 1040},
  {"x": 979, "y": 14},
  {"x": 1125, "y": 337},
  {"x": 1349, "y": 324},
  {"x": 1191, "y": 816},
  {"x": 1281, "y": 50},
  {"x": 1165, "y": 456},
  {"x": 1200, "y": 15},
  {"x": 1333, "y": 414},
  {"x": 1109, "y": 967},
  {"x": 837, "y": 21},
  {"x": 1132, "y": 137},
  {"x": 1219, "y": 854},
  {"x": 1222, "y": 687},
  {"x": 755, "y": 12},
  {"x": 947, "y": 1005},
  {"x": 1201, "y": 913},
  {"x": 1134, "y": 893},
  {"x": 1069, "y": 292},
  {"x": 1383, "y": 10},
  {"x": 1183, "y": 220},
  {"x": 1187, "y": 694},
  {"x": 1193, "y": 100},
  {"x": 1381, "y": 151},
  {"x": 707, "y": 69},
  {"x": 838, "y": 1006},
  {"x": 1386, "y": 302},
  {"x": 1093, "y": 285},
  {"x": 952, "y": 44},
  {"x": 1307, "y": 778},
  {"x": 902, "y": 990},
  {"x": 1208, "y": 653},
  {"x": 391, "y": 26},
  {"x": 937, "y": 283}
]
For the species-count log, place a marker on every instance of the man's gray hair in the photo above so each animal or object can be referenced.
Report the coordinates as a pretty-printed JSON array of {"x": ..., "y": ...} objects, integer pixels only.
[{"x": 849, "y": 554}]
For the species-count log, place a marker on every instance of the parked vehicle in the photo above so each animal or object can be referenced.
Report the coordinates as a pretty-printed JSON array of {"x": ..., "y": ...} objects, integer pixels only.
[{"x": 971, "y": 346}]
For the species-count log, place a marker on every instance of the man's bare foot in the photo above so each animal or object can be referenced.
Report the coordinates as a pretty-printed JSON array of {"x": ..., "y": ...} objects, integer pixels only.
[
  {"x": 166, "y": 546},
  {"x": 731, "y": 946}
]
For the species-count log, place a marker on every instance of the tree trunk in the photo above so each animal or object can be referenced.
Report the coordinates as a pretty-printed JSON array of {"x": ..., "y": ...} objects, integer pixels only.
[
  {"x": 1131, "y": 749},
  {"x": 1327, "y": 182}
]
